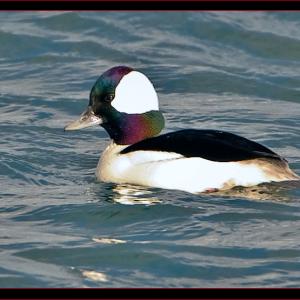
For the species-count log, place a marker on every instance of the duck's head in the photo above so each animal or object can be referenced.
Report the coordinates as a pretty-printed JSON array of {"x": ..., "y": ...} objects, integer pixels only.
[{"x": 125, "y": 103}]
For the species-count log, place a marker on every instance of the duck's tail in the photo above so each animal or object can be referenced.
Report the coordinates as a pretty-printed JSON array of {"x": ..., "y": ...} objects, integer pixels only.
[{"x": 276, "y": 169}]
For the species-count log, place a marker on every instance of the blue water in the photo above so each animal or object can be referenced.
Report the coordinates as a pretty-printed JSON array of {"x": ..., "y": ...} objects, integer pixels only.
[{"x": 233, "y": 71}]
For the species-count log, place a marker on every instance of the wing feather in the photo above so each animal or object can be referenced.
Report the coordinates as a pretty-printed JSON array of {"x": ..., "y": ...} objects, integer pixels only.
[{"x": 213, "y": 145}]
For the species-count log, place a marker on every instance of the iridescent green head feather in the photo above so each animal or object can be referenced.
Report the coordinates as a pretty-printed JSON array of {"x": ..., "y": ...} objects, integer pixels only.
[{"x": 125, "y": 103}]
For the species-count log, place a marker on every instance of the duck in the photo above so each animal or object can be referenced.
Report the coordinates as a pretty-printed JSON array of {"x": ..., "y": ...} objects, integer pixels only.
[{"x": 124, "y": 102}]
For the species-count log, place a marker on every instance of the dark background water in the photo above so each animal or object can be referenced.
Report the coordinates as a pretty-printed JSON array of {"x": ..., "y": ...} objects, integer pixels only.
[{"x": 61, "y": 228}]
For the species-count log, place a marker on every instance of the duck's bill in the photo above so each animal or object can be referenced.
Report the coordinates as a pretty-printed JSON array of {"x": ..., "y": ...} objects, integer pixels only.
[{"x": 87, "y": 119}]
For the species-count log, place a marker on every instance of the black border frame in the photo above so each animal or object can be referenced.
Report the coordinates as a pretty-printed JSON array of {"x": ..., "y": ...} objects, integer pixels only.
[
  {"x": 151, "y": 293},
  {"x": 152, "y": 5}
]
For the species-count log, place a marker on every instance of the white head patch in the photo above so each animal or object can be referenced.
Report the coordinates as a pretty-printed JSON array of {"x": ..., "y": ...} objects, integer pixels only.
[{"x": 135, "y": 94}]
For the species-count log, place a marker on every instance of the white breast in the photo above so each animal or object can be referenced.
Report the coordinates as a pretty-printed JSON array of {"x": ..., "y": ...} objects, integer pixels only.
[{"x": 173, "y": 171}]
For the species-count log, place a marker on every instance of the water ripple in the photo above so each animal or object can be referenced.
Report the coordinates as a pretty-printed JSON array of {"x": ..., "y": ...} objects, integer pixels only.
[{"x": 213, "y": 70}]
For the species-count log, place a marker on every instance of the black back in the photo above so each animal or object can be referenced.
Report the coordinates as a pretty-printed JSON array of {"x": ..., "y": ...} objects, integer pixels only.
[{"x": 213, "y": 145}]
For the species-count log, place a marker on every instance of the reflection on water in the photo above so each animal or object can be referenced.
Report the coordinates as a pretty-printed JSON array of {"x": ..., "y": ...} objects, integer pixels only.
[
  {"x": 95, "y": 276},
  {"x": 278, "y": 191},
  {"x": 130, "y": 194},
  {"x": 134, "y": 194},
  {"x": 106, "y": 240}
]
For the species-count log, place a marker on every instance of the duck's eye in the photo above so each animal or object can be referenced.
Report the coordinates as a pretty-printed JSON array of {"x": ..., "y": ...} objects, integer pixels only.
[{"x": 109, "y": 97}]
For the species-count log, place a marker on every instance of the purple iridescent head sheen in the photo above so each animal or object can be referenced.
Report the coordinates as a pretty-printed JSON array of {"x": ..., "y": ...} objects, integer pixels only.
[
  {"x": 116, "y": 73},
  {"x": 113, "y": 76}
]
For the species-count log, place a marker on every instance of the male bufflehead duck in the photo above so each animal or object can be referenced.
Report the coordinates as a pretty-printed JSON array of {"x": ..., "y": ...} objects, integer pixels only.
[{"x": 125, "y": 103}]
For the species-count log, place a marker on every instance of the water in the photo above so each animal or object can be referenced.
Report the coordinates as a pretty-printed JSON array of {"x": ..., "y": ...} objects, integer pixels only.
[{"x": 61, "y": 228}]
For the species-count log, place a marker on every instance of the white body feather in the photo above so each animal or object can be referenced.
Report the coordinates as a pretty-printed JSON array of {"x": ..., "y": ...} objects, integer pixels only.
[{"x": 174, "y": 171}]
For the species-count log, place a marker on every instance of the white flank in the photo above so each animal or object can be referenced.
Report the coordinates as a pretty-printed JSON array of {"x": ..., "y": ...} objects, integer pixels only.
[
  {"x": 173, "y": 171},
  {"x": 135, "y": 94}
]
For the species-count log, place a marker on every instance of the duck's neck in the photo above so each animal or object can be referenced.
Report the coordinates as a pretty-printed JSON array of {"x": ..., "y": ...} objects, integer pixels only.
[{"x": 127, "y": 129}]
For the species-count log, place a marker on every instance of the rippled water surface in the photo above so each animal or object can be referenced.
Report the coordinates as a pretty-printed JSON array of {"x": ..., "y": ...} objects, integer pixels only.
[{"x": 61, "y": 228}]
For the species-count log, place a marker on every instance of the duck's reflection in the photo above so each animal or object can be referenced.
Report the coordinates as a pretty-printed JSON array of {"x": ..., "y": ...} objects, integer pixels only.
[
  {"x": 134, "y": 194},
  {"x": 277, "y": 191}
]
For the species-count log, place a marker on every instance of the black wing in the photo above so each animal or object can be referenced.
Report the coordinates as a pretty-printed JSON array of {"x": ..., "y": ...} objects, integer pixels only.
[{"x": 209, "y": 144}]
